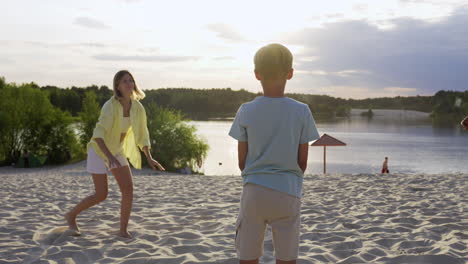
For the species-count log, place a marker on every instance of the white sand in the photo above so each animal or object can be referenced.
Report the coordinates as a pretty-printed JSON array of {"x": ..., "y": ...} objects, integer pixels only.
[{"x": 190, "y": 219}]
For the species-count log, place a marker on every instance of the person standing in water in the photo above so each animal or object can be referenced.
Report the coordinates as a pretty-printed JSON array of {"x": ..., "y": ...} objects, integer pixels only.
[{"x": 385, "y": 166}]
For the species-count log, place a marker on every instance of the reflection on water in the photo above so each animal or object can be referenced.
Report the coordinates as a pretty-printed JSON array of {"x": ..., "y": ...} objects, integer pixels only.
[{"x": 412, "y": 145}]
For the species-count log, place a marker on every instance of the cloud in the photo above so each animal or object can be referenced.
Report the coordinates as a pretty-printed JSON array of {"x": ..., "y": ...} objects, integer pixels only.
[
  {"x": 141, "y": 58},
  {"x": 427, "y": 56},
  {"x": 226, "y": 31},
  {"x": 357, "y": 92},
  {"x": 90, "y": 45},
  {"x": 420, "y": 1},
  {"x": 400, "y": 90},
  {"x": 149, "y": 50},
  {"x": 335, "y": 15},
  {"x": 5, "y": 60},
  {"x": 344, "y": 73},
  {"x": 90, "y": 23},
  {"x": 224, "y": 58},
  {"x": 348, "y": 92},
  {"x": 360, "y": 7},
  {"x": 40, "y": 44}
]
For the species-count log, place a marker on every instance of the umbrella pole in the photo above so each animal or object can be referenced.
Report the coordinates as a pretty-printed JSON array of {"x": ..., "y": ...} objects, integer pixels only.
[{"x": 324, "y": 159}]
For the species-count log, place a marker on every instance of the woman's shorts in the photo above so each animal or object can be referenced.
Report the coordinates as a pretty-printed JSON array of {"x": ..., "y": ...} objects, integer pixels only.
[
  {"x": 261, "y": 206},
  {"x": 96, "y": 165}
]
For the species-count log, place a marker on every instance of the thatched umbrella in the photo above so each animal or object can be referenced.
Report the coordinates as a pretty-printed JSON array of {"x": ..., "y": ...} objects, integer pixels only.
[{"x": 325, "y": 141}]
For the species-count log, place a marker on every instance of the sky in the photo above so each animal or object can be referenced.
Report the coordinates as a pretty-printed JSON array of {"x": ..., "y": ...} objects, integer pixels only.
[{"x": 349, "y": 49}]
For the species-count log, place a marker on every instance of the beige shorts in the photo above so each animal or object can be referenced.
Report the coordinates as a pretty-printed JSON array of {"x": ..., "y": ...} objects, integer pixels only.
[
  {"x": 96, "y": 165},
  {"x": 261, "y": 206}
]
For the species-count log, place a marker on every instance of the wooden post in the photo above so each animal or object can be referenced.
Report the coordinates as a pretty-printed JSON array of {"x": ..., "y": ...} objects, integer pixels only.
[{"x": 324, "y": 159}]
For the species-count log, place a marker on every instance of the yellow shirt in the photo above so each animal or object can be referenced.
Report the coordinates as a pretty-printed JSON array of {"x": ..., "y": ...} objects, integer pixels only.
[{"x": 109, "y": 127}]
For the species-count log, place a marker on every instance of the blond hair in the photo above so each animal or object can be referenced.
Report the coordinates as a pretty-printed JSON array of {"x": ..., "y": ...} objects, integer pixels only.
[
  {"x": 137, "y": 94},
  {"x": 273, "y": 62}
]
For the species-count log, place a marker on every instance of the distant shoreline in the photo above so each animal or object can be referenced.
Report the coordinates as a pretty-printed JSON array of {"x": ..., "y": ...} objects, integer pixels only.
[{"x": 392, "y": 114}]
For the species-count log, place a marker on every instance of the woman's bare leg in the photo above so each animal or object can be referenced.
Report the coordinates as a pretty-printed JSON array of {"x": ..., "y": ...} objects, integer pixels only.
[
  {"x": 101, "y": 189},
  {"x": 123, "y": 175}
]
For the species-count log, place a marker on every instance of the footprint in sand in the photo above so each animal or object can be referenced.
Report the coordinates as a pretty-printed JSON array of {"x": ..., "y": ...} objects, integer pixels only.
[
  {"x": 54, "y": 235},
  {"x": 46, "y": 238}
]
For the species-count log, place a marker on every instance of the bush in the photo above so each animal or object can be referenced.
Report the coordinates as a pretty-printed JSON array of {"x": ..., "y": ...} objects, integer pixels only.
[
  {"x": 61, "y": 144},
  {"x": 88, "y": 117},
  {"x": 30, "y": 122},
  {"x": 343, "y": 111},
  {"x": 174, "y": 143},
  {"x": 368, "y": 114}
]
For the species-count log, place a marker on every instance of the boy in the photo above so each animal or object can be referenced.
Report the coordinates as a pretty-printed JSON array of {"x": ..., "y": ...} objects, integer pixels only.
[{"x": 273, "y": 133}]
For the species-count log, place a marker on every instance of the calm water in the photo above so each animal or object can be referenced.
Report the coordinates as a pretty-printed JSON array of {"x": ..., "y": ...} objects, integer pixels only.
[{"x": 413, "y": 146}]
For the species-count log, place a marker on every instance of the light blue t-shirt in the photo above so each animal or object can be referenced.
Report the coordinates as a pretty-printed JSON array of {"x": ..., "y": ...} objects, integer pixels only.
[{"x": 273, "y": 129}]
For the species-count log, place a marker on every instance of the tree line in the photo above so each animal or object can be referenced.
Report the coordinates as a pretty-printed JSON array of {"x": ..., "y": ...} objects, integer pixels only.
[
  {"x": 203, "y": 104},
  {"x": 58, "y": 122}
]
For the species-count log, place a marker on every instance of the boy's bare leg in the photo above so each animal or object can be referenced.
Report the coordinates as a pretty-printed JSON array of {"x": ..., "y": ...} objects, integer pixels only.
[
  {"x": 100, "y": 186},
  {"x": 123, "y": 175}
]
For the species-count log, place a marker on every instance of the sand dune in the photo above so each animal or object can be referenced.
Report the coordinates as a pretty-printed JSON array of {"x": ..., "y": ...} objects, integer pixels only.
[{"x": 190, "y": 219}]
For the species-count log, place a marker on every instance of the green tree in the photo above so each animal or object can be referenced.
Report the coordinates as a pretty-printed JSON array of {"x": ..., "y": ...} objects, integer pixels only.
[
  {"x": 17, "y": 107},
  {"x": 449, "y": 107},
  {"x": 174, "y": 143},
  {"x": 89, "y": 115},
  {"x": 369, "y": 113},
  {"x": 30, "y": 122},
  {"x": 60, "y": 140},
  {"x": 65, "y": 99},
  {"x": 343, "y": 111}
]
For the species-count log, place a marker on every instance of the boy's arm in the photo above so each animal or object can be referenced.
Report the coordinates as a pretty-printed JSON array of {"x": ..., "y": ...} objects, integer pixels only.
[
  {"x": 302, "y": 154},
  {"x": 242, "y": 149}
]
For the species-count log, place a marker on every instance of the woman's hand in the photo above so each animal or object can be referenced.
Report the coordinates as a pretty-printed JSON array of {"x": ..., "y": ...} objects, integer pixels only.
[
  {"x": 113, "y": 162},
  {"x": 155, "y": 165}
]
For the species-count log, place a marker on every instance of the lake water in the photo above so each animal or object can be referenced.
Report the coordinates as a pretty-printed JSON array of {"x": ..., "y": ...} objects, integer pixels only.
[{"x": 412, "y": 145}]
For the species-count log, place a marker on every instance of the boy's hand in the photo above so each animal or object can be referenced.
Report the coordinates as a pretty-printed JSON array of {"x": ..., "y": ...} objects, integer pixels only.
[
  {"x": 242, "y": 149},
  {"x": 154, "y": 164},
  {"x": 302, "y": 153}
]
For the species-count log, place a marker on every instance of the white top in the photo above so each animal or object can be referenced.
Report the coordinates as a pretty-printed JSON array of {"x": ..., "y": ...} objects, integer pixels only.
[{"x": 125, "y": 124}]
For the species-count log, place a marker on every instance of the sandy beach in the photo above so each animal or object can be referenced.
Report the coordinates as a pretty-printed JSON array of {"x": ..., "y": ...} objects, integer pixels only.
[{"x": 360, "y": 218}]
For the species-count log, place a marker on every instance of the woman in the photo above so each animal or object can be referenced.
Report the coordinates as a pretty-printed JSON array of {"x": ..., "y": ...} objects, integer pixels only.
[{"x": 120, "y": 131}]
